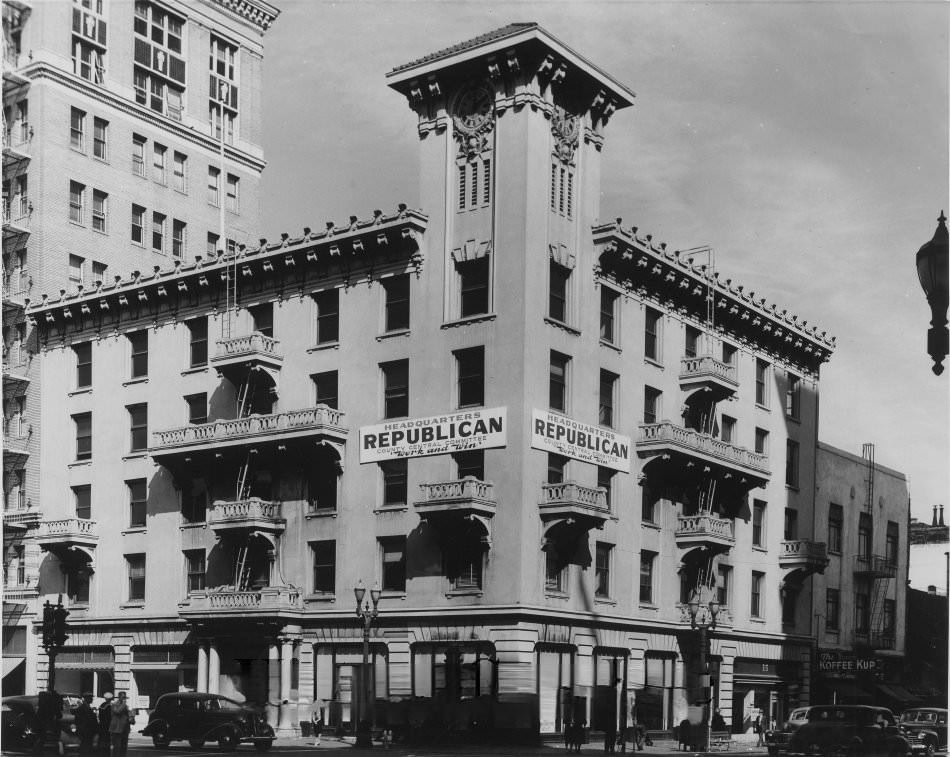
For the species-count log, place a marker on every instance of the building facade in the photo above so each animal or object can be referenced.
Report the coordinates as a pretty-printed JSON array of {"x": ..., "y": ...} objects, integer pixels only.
[
  {"x": 862, "y": 513},
  {"x": 131, "y": 141},
  {"x": 542, "y": 435}
]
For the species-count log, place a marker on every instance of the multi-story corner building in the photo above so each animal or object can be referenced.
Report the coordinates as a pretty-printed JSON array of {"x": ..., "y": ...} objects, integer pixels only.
[
  {"x": 862, "y": 513},
  {"x": 131, "y": 141},
  {"x": 543, "y": 435}
]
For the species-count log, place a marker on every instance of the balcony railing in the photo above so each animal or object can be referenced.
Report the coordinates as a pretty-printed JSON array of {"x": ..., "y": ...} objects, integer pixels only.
[
  {"x": 706, "y": 366},
  {"x": 463, "y": 496},
  {"x": 20, "y": 515},
  {"x": 17, "y": 140},
  {"x": 704, "y": 526},
  {"x": 16, "y": 213},
  {"x": 255, "y": 343},
  {"x": 584, "y": 506},
  {"x": 665, "y": 434},
  {"x": 231, "y": 601},
  {"x": 68, "y": 531},
  {"x": 246, "y": 513},
  {"x": 879, "y": 566},
  {"x": 251, "y": 428},
  {"x": 803, "y": 553}
]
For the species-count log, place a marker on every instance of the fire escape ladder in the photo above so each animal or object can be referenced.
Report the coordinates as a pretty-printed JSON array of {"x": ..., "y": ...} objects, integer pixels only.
[
  {"x": 879, "y": 591},
  {"x": 242, "y": 489},
  {"x": 242, "y": 570},
  {"x": 245, "y": 392},
  {"x": 867, "y": 452}
]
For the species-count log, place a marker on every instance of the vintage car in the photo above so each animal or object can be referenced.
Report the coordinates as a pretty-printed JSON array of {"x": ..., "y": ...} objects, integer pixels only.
[
  {"x": 198, "y": 718},
  {"x": 20, "y": 731},
  {"x": 925, "y": 729},
  {"x": 847, "y": 731}
]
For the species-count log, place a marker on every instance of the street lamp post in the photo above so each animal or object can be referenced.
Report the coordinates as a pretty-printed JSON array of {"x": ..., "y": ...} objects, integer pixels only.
[
  {"x": 367, "y": 614},
  {"x": 703, "y": 619},
  {"x": 932, "y": 271}
]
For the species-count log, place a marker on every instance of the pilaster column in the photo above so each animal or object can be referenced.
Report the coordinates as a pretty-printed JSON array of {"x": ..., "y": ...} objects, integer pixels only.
[
  {"x": 273, "y": 684},
  {"x": 202, "y": 682},
  {"x": 214, "y": 669},
  {"x": 285, "y": 724}
]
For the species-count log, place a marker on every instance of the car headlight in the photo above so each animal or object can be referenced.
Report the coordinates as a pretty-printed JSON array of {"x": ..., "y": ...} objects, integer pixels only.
[{"x": 72, "y": 728}]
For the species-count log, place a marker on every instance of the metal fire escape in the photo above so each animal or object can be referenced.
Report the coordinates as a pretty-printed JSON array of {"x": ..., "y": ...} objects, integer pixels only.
[{"x": 881, "y": 571}]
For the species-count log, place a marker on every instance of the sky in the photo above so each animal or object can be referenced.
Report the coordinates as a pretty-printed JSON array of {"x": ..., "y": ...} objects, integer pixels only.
[{"x": 806, "y": 142}]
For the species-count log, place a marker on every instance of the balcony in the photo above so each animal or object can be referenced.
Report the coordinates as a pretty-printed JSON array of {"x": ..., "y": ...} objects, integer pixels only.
[
  {"x": 228, "y": 603},
  {"x": 16, "y": 449},
  {"x": 874, "y": 566},
  {"x": 16, "y": 144},
  {"x": 15, "y": 378},
  {"x": 681, "y": 447},
  {"x": 15, "y": 290},
  {"x": 463, "y": 498},
  {"x": 294, "y": 428},
  {"x": 16, "y": 216},
  {"x": 570, "y": 502},
  {"x": 803, "y": 555},
  {"x": 237, "y": 356},
  {"x": 20, "y": 516},
  {"x": 68, "y": 533},
  {"x": 706, "y": 373},
  {"x": 705, "y": 530},
  {"x": 13, "y": 62},
  {"x": 252, "y": 513}
]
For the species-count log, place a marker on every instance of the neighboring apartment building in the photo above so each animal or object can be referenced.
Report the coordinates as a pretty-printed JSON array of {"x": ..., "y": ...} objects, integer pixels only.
[
  {"x": 541, "y": 434},
  {"x": 862, "y": 512},
  {"x": 131, "y": 142}
]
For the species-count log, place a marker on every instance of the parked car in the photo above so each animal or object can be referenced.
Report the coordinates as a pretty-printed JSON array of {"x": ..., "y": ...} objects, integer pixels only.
[
  {"x": 797, "y": 717},
  {"x": 198, "y": 717},
  {"x": 20, "y": 731},
  {"x": 847, "y": 730},
  {"x": 926, "y": 729}
]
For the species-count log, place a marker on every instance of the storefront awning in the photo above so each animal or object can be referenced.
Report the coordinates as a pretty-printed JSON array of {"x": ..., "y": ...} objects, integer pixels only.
[
  {"x": 897, "y": 693},
  {"x": 845, "y": 691},
  {"x": 12, "y": 611},
  {"x": 12, "y": 663}
]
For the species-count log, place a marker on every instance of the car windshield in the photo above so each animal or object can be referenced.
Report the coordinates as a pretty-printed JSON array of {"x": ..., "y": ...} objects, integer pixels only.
[{"x": 840, "y": 715}]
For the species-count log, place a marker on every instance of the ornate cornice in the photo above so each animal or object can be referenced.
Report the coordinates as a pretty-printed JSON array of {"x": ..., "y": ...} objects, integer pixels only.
[{"x": 257, "y": 12}]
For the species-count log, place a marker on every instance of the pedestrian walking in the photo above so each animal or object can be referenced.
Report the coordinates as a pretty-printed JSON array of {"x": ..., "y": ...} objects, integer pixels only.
[
  {"x": 317, "y": 719},
  {"x": 120, "y": 725},
  {"x": 105, "y": 718},
  {"x": 610, "y": 738},
  {"x": 387, "y": 738},
  {"x": 86, "y": 723},
  {"x": 759, "y": 731}
]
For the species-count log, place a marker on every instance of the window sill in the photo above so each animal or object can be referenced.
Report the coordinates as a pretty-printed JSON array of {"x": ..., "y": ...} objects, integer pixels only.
[
  {"x": 192, "y": 526},
  {"x": 321, "y": 513},
  {"x": 833, "y": 632},
  {"x": 77, "y": 392},
  {"x": 390, "y": 594},
  {"x": 392, "y": 334},
  {"x": 762, "y": 407},
  {"x": 320, "y": 598},
  {"x": 391, "y": 509},
  {"x": 556, "y": 594},
  {"x": 835, "y": 552},
  {"x": 469, "y": 319},
  {"x": 759, "y": 548},
  {"x": 140, "y": 380},
  {"x": 132, "y": 605},
  {"x": 561, "y": 325},
  {"x": 136, "y": 455},
  {"x": 649, "y": 607},
  {"x": 80, "y": 224},
  {"x": 605, "y": 601},
  {"x": 464, "y": 593},
  {"x": 791, "y": 487},
  {"x": 195, "y": 369},
  {"x": 324, "y": 346},
  {"x": 755, "y": 619},
  {"x": 655, "y": 363},
  {"x": 793, "y": 419},
  {"x": 78, "y": 606},
  {"x": 135, "y": 530},
  {"x": 79, "y": 463},
  {"x": 652, "y": 525},
  {"x": 101, "y": 160},
  {"x": 610, "y": 345},
  {"x": 104, "y": 232}
]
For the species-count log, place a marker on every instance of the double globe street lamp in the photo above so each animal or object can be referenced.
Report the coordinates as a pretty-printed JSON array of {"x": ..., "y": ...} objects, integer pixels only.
[
  {"x": 932, "y": 272},
  {"x": 702, "y": 617},
  {"x": 367, "y": 614}
]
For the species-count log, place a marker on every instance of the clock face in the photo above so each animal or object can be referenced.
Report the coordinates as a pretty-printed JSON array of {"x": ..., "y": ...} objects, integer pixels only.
[{"x": 474, "y": 107}]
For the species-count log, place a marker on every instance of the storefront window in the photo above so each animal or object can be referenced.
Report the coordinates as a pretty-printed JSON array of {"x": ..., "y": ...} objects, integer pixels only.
[{"x": 556, "y": 701}]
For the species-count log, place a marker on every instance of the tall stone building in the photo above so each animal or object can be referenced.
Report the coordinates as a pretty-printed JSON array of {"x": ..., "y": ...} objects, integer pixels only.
[
  {"x": 547, "y": 437},
  {"x": 131, "y": 141}
]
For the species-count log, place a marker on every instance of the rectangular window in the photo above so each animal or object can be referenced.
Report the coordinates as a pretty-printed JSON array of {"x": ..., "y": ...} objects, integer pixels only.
[
  {"x": 262, "y": 318},
  {"x": 326, "y": 389},
  {"x": 758, "y": 523},
  {"x": 158, "y": 163},
  {"x": 470, "y": 366},
  {"x": 197, "y": 342},
  {"x": 755, "y": 606},
  {"x": 77, "y": 266},
  {"x": 728, "y": 429},
  {"x": 470, "y": 463},
  {"x": 791, "y": 464},
  {"x": 158, "y": 231},
  {"x": 602, "y": 570},
  {"x": 214, "y": 186},
  {"x": 324, "y": 566},
  {"x": 99, "y": 271},
  {"x": 724, "y": 585},
  {"x": 158, "y": 59},
  {"x": 179, "y": 170},
  {"x": 83, "y": 364},
  {"x": 865, "y": 535},
  {"x": 730, "y": 354},
  {"x": 557, "y": 292},
  {"x": 835, "y": 524},
  {"x": 100, "y": 201},
  {"x": 138, "y": 497},
  {"x": 138, "y": 155},
  {"x": 647, "y": 559},
  {"x": 652, "y": 400},
  {"x": 395, "y": 482},
  {"x": 608, "y": 393},
  {"x": 83, "y": 422},
  {"x": 605, "y": 481},
  {"x": 862, "y": 607},
  {"x": 194, "y": 570},
  {"x": 393, "y": 563},
  {"x": 138, "y": 423},
  {"x": 691, "y": 346},
  {"x": 761, "y": 441},
  {"x": 555, "y": 571},
  {"x": 608, "y": 314},
  {"x": 791, "y": 524},
  {"x": 138, "y": 343},
  {"x": 793, "y": 397},
  {"x": 832, "y": 610},
  {"x": 892, "y": 542},
  {"x": 178, "y": 238},
  {"x": 197, "y": 406},
  {"x": 82, "y": 497},
  {"x": 136, "y": 569},
  {"x": 395, "y": 388},
  {"x": 557, "y": 381},
  {"x": 233, "y": 199},
  {"x": 761, "y": 383},
  {"x": 328, "y": 316},
  {"x": 648, "y": 504},
  {"x": 474, "y": 279},
  {"x": 212, "y": 246},
  {"x": 138, "y": 224},
  {"x": 651, "y": 335},
  {"x": 557, "y": 465},
  {"x": 396, "y": 291},
  {"x": 889, "y": 619},
  {"x": 77, "y": 129},
  {"x": 77, "y": 201}
]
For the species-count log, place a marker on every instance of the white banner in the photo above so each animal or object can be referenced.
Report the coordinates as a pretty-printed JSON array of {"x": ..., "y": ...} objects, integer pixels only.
[
  {"x": 435, "y": 435},
  {"x": 553, "y": 432}
]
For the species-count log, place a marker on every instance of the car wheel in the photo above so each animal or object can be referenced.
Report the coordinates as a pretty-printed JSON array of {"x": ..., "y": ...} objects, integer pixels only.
[
  {"x": 160, "y": 739},
  {"x": 196, "y": 743},
  {"x": 228, "y": 741},
  {"x": 263, "y": 745}
]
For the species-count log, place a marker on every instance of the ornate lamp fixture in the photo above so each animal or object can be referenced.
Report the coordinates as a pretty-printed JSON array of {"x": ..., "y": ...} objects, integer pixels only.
[
  {"x": 932, "y": 272},
  {"x": 367, "y": 614}
]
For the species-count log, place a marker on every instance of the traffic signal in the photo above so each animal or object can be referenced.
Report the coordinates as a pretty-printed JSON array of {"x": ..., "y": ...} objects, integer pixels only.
[
  {"x": 60, "y": 614},
  {"x": 47, "y": 625}
]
